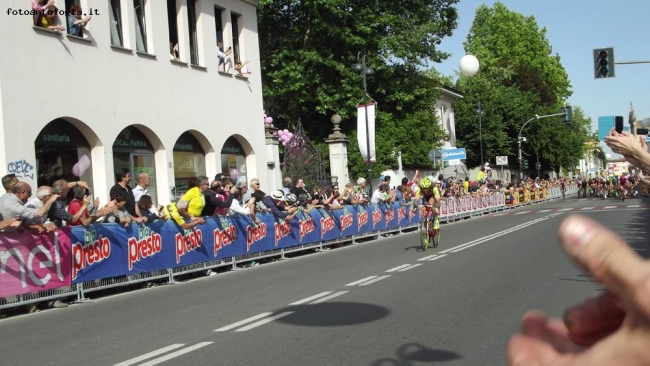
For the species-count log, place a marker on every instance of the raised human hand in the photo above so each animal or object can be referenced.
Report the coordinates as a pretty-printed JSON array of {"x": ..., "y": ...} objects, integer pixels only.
[{"x": 611, "y": 329}]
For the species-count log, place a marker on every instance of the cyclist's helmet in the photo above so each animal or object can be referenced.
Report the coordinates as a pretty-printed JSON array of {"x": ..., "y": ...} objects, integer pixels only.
[{"x": 425, "y": 183}]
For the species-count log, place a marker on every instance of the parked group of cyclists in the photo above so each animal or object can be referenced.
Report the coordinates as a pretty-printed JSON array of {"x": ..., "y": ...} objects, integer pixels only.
[{"x": 623, "y": 186}]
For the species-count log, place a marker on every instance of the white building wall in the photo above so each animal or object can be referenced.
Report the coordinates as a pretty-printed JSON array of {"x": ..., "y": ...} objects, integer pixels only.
[{"x": 103, "y": 89}]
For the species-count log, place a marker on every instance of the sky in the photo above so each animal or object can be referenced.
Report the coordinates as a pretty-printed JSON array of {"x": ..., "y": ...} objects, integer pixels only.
[{"x": 574, "y": 29}]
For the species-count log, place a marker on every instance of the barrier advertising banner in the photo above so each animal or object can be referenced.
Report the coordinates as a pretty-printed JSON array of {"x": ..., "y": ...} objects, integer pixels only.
[{"x": 31, "y": 263}]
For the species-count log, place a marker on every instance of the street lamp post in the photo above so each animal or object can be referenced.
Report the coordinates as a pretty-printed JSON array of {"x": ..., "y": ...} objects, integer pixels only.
[
  {"x": 479, "y": 111},
  {"x": 361, "y": 66}
]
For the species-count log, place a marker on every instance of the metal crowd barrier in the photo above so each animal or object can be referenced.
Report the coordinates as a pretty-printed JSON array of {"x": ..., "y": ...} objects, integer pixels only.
[{"x": 452, "y": 209}]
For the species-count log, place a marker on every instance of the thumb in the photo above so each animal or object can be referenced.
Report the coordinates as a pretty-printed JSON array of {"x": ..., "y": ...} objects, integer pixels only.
[{"x": 604, "y": 255}]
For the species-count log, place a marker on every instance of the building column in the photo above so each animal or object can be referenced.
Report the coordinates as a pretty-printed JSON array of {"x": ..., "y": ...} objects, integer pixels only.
[
  {"x": 338, "y": 151},
  {"x": 274, "y": 171}
]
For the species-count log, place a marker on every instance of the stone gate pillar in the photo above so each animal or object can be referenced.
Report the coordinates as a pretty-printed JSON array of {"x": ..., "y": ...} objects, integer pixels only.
[
  {"x": 338, "y": 149},
  {"x": 273, "y": 168}
]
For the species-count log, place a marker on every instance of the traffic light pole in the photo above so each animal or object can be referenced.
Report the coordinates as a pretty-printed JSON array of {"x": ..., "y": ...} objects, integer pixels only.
[{"x": 521, "y": 160}]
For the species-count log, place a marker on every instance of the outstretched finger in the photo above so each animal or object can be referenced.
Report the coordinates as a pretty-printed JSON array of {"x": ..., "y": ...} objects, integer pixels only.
[
  {"x": 594, "y": 319},
  {"x": 605, "y": 256}
]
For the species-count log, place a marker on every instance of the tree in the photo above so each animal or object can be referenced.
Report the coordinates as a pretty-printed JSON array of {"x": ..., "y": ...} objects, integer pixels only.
[
  {"x": 308, "y": 49},
  {"x": 519, "y": 78}
]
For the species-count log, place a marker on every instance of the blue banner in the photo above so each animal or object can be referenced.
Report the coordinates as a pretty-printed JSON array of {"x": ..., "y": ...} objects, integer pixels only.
[{"x": 110, "y": 250}]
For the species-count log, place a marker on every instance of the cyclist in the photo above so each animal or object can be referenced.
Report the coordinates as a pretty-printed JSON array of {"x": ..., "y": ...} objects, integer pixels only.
[
  {"x": 622, "y": 182},
  {"x": 431, "y": 199}
]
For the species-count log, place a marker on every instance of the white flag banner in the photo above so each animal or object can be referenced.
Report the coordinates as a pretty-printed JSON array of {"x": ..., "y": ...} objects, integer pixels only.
[{"x": 361, "y": 131}]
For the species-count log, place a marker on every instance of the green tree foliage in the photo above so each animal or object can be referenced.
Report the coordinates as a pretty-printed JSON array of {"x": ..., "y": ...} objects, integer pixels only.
[
  {"x": 308, "y": 50},
  {"x": 519, "y": 78}
]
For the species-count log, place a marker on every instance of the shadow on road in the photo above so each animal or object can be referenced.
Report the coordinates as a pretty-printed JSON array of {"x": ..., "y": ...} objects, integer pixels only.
[
  {"x": 411, "y": 353},
  {"x": 331, "y": 314}
]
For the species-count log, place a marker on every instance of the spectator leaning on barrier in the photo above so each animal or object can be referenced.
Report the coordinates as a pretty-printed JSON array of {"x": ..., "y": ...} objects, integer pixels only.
[
  {"x": 146, "y": 204},
  {"x": 120, "y": 215},
  {"x": 12, "y": 206},
  {"x": 381, "y": 194},
  {"x": 237, "y": 209},
  {"x": 214, "y": 200},
  {"x": 92, "y": 213},
  {"x": 275, "y": 202},
  {"x": 58, "y": 213},
  {"x": 122, "y": 178},
  {"x": 191, "y": 204}
]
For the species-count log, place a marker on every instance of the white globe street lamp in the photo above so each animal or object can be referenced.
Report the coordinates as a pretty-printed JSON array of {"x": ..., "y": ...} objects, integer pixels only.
[{"x": 469, "y": 65}]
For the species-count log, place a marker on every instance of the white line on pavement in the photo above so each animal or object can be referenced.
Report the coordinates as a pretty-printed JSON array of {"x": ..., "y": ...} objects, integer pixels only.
[
  {"x": 566, "y": 209},
  {"x": 398, "y": 267},
  {"x": 176, "y": 354},
  {"x": 149, "y": 355},
  {"x": 410, "y": 267},
  {"x": 607, "y": 207},
  {"x": 310, "y": 298},
  {"x": 375, "y": 280},
  {"x": 263, "y": 321},
  {"x": 235, "y": 325},
  {"x": 494, "y": 235},
  {"x": 337, "y": 294},
  {"x": 522, "y": 212},
  {"x": 586, "y": 208},
  {"x": 543, "y": 210},
  {"x": 427, "y": 257},
  {"x": 633, "y": 206},
  {"x": 499, "y": 214},
  {"x": 438, "y": 257},
  {"x": 361, "y": 281}
]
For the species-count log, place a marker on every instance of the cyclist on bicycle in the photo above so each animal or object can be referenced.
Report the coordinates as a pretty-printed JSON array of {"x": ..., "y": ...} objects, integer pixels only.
[{"x": 431, "y": 195}]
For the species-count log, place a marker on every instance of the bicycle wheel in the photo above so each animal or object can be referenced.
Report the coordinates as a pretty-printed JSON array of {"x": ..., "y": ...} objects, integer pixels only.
[
  {"x": 436, "y": 238},
  {"x": 424, "y": 233}
]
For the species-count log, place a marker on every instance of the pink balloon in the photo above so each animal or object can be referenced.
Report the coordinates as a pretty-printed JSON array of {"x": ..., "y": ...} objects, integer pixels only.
[
  {"x": 284, "y": 143},
  {"x": 234, "y": 174},
  {"x": 285, "y": 131},
  {"x": 290, "y": 135},
  {"x": 268, "y": 120}
]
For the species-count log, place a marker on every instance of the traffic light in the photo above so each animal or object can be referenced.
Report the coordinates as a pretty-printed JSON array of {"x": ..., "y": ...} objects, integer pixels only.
[
  {"x": 568, "y": 114},
  {"x": 604, "y": 63},
  {"x": 525, "y": 165},
  {"x": 538, "y": 166}
]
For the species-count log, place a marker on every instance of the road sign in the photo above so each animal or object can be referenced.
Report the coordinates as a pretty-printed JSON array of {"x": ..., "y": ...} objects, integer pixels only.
[
  {"x": 433, "y": 154},
  {"x": 455, "y": 162},
  {"x": 451, "y": 154},
  {"x": 502, "y": 160}
]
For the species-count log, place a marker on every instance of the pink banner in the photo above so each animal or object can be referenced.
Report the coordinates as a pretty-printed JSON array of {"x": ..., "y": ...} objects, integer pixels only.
[
  {"x": 443, "y": 207},
  {"x": 31, "y": 263}
]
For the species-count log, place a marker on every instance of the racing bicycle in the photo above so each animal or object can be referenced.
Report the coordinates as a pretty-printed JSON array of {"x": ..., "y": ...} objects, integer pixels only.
[{"x": 427, "y": 232}]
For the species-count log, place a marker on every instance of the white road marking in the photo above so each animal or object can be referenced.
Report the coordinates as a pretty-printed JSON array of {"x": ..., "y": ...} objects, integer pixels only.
[
  {"x": 495, "y": 235},
  {"x": 311, "y": 298},
  {"x": 630, "y": 206},
  {"x": 176, "y": 354},
  {"x": 263, "y": 321},
  {"x": 361, "y": 281},
  {"x": 410, "y": 267},
  {"x": 586, "y": 208},
  {"x": 438, "y": 257},
  {"x": 522, "y": 212},
  {"x": 149, "y": 355},
  {"x": 375, "y": 280},
  {"x": 398, "y": 267},
  {"x": 543, "y": 210},
  {"x": 566, "y": 209},
  {"x": 608, "y": 207},
  {"x": 337, "y": 294},
  {"x": 248, "y": 320},
  {"x": 499, "y": 214},
  {"x": 427, "y": 257}
]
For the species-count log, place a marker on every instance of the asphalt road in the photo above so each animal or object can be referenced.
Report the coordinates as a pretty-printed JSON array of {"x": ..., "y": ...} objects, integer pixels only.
[{"x": 383, "y": 302}]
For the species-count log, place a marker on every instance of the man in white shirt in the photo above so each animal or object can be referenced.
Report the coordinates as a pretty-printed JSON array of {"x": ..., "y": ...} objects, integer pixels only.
[{"x": 141, "y": 189}]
